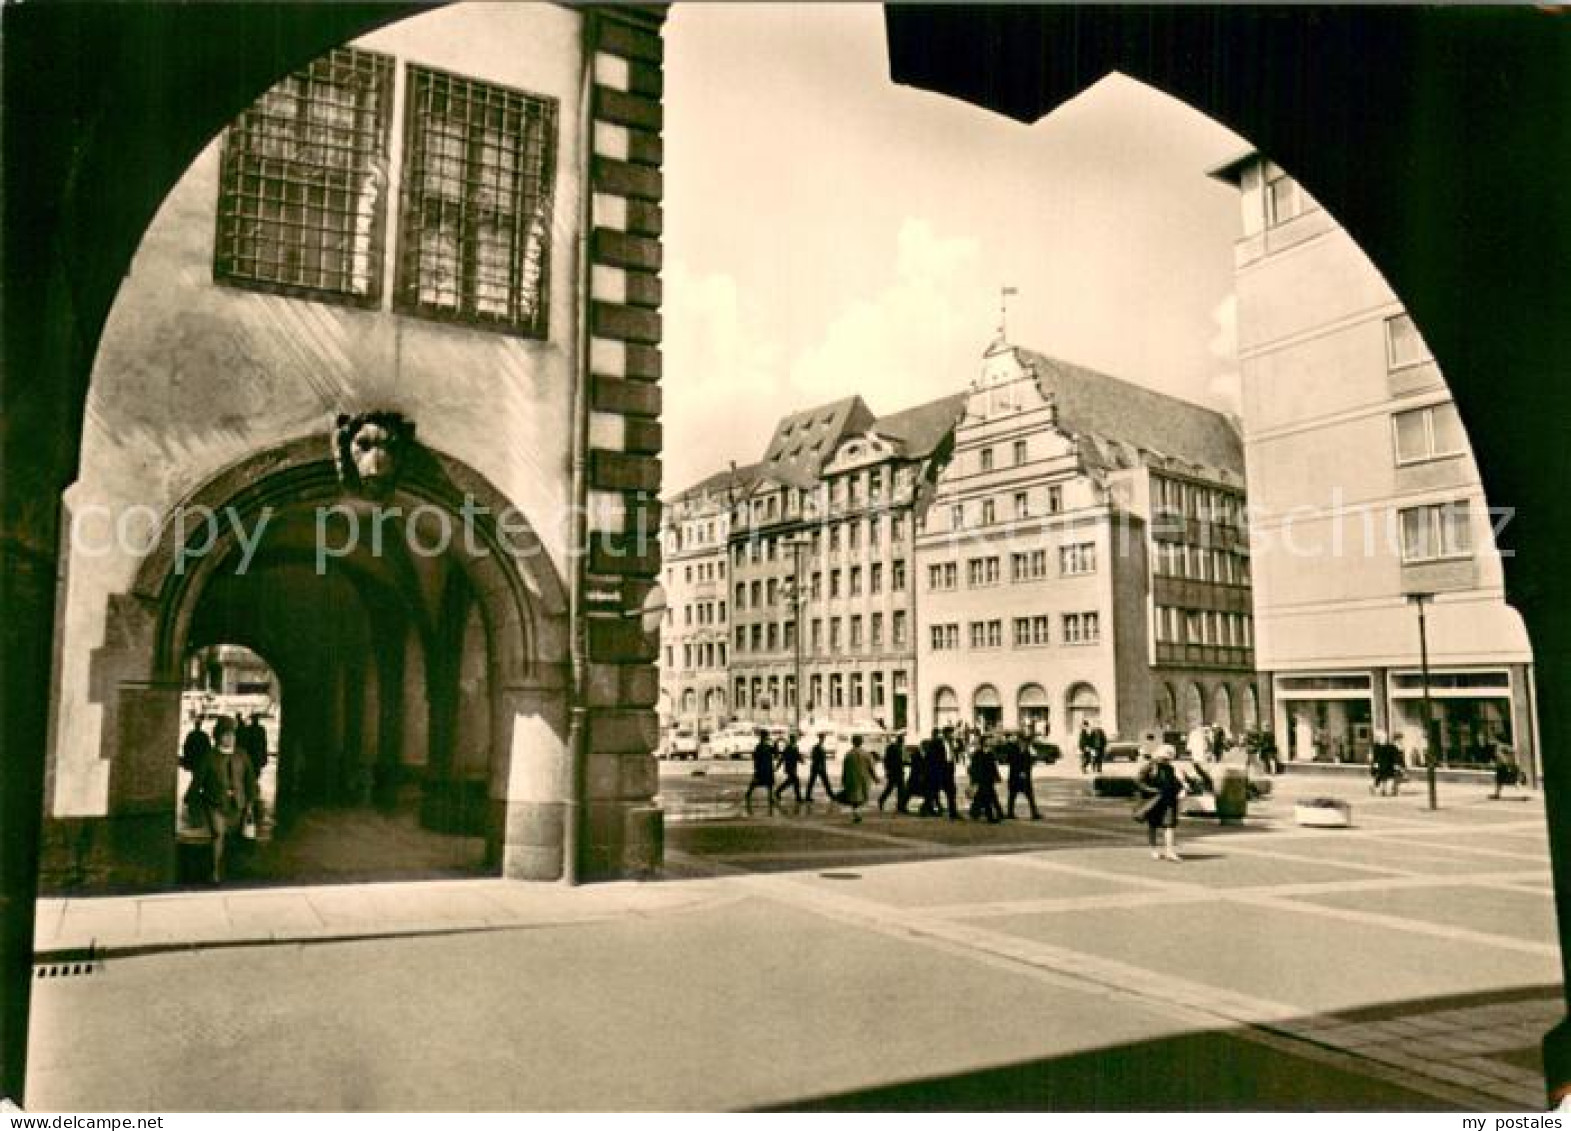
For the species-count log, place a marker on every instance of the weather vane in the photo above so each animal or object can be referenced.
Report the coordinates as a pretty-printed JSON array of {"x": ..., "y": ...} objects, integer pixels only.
[{"x": 1003, "y": 311}]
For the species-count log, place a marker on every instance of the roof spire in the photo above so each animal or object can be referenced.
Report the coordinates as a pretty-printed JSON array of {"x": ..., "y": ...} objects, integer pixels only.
[
  {"x": 1000, "y": 342},
  {"x": 1003, "y": 311}
]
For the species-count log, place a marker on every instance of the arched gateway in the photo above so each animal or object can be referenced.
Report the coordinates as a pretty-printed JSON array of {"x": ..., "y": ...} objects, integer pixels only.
[{"x": 419, "y": 639}]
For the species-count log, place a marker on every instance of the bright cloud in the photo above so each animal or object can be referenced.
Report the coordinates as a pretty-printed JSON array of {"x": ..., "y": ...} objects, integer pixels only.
[{"x": 916, "y": 339}]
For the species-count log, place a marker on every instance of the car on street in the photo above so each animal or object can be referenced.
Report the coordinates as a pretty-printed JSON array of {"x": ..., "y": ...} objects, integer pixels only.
[
  {"x": 681, "y": 742},
  {"x": 1042, "y": 750},
  {"x": 735, "y": 740}
]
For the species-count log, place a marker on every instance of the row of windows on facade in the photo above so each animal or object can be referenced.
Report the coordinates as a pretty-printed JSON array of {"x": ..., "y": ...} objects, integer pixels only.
[
  {"x": 836, "y": 492},
  {"x": 703, "y": 571},
  {"x": 1176, "y": 498},
  {"x": 304, "y": 180},
  {"x": 865, "y": 690},
  {"x": 768, "y": 592},
  {"x": 706, "y": 655},
  {"x": 699, "y": 613},
  {"x": 850, "y": 535},
  {"x": 1195, "y": 563},
  {"x": 1029, "y": 632},
  {"x": 1030, "y": 565},
  {"x": 696, "y": 534},
  {"x": 987, "y": 509},
  {"x": 1204, "y": 626},
  {"x": 782, "y": 635}
]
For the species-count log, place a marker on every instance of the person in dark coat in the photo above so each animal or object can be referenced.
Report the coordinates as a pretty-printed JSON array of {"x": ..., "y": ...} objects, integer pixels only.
[
  {"x": 1507, "y": 772},
  {"x": 1098, "y": 747},
  {"x": 226, "y": 789},
  {"x": 193, "y": 754},
  {"x": 1018, "y": 758},
  {"x": 1160, "y": 789},
  {"x": 1269, "y": 759},
  {"x": 895, "y": 773},
  {"x": 941, "y": 757},
  {"x": 1384, "y": 765},
  {"x": 790, "y": 758},
  {"x": 983, "y": 768},
  {"x": 252, "y": 739},
  {"x": 763, "y": 771},
  {"x": 818, "y": 770}
]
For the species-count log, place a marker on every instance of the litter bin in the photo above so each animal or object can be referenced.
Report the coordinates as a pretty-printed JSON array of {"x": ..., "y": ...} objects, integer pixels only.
[{"x": 1232, "y": 792}]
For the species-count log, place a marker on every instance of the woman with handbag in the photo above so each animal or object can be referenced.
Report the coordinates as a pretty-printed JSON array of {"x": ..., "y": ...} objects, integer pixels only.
[{"x": 1160, "y": 788}]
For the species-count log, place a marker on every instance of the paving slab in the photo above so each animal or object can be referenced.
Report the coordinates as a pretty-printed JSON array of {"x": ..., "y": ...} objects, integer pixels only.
[
  {"x": 1470, "y": 907},
  {"x": 1318, "y": 965}
]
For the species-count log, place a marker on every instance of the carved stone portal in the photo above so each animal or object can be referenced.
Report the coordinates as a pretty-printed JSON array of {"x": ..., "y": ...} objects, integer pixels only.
[{"x": 371, "y": 449}]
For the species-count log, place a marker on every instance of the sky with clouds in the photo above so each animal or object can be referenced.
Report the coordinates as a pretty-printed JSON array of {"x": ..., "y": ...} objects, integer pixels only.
[{"x": 828, "y": 232}]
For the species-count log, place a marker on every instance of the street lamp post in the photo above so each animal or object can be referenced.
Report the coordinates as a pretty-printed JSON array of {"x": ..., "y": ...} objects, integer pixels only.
[
  {"x": 1420, "y": 600},
  {"x": 796, "y": 545}
]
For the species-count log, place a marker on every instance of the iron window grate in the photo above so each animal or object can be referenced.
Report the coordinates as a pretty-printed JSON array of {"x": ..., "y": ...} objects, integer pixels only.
[
  {"x": 303, "y": 182},
  {"x": 475, "y": 233}
]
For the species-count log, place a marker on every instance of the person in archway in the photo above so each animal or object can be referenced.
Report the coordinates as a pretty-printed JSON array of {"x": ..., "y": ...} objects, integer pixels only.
[
  {"x": 895, "y": 774},
  {"x": 1018, "y": 758},
  {"x": 194, "y": 751},
  {"x": 789, "y": 759},
  {"x": 818, "y": 770},
  {"x": 251, "y": 737},
  {"x": 856, "y": 778},
  {"x": 227, "y": 789},
  {"x": 763, "y": 771}
]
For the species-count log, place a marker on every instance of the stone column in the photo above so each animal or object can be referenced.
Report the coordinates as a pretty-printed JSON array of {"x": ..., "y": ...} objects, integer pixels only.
[{"x": 623, "y": 830}]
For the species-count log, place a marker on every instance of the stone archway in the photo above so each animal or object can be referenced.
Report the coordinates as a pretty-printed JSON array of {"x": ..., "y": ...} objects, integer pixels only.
[{"x": 430, "y": 647}]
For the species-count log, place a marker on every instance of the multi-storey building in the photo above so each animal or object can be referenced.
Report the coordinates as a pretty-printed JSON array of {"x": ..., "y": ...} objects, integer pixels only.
[
  {"x": 822, "y": 558},
  {"x": 1083, "y": 558},
  {"x": 1364, "y": 493},
  {"x": 695, "y": 641}
]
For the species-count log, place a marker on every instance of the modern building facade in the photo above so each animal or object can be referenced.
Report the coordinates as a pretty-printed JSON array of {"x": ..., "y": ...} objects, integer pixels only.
[
  {"x": 1083, "y": 559},
  {"x": 1366, "y": 502},
  {"x": 696, "y": 636},
  {"x": 377, "y": 400},
  {"x": 822, "y": 555}
]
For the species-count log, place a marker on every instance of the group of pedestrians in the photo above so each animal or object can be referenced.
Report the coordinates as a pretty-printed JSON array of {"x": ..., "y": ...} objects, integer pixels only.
[
  {"x": 224, "y": 796},
  {"x": 928, "y": 777}
]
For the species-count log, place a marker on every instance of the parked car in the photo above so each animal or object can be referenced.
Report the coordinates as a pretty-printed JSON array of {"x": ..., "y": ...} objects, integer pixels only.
[
  {"x": 1122, "y": 749},
  {"x": 681, "y": 742},
  {"x": 1042, "y": 750},
  {"x": 735, "y": 740}
]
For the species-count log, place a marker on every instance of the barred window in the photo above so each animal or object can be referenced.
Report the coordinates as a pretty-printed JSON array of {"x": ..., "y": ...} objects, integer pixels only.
[
  {"x": 303, "y": 182},
  {"x": 476, "y": 224}
]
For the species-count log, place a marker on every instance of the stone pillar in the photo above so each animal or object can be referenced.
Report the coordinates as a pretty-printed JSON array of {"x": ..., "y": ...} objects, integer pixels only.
[{"x": 623, "y": 830}]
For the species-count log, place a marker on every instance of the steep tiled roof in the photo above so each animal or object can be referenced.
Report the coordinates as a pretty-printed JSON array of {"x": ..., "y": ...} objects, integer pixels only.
[
  {"x": 1092, "y": 403},
  {"x": 804, "y": 440},
  {"x": 921, "y": 429}
]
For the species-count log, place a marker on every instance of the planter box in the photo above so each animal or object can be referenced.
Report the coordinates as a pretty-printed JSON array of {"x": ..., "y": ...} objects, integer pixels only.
[{"x": 1336, "y": 815}]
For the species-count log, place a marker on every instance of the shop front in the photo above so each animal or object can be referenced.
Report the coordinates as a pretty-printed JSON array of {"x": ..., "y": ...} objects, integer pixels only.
[
  {"x": 1325, "y": 717},
  {"x": 1471, "y": 710}
]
